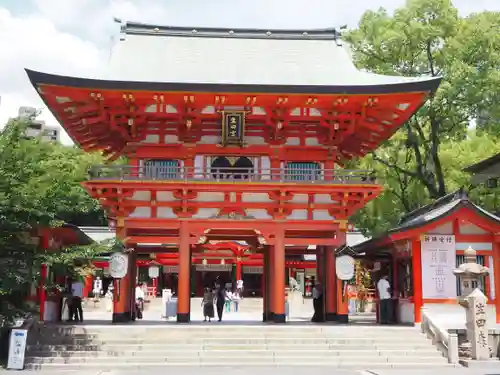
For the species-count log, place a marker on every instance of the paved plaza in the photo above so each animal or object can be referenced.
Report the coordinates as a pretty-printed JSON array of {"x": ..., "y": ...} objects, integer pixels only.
[{"x": 271, "y": 370}]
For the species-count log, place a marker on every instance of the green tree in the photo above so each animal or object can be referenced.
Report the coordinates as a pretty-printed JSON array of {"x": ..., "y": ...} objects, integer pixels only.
[
  {"x": 427, "y": 38},
  {"x": 40, "y": 184}
]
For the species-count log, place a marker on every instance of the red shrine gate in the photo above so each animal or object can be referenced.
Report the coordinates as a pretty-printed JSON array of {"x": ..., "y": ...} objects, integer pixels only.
[{"x": 232, "y": 135}]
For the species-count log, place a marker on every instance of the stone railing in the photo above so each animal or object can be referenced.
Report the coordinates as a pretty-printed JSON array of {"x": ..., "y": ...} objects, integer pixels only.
[
  {"x": 233, "y": 174},
  {"x": 447, "y": 343}
]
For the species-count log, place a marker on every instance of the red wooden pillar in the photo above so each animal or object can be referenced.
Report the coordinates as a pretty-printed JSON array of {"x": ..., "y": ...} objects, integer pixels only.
[
  {"x": 330, "y": 286},
  {"x": 87, "y": 288},
  {"x": 417, "y": 279},
  {"x": 123, "y": 294},
  {"x": 342, "y": 302},
  {"x": 238, "y": 270},
  {"x": 496, "y": 277},
  {"x": 42, "y": 292},
  {"x": 266, "y": 313},
  {"x": 278, "y": 274},
  {"x": 320, "y": 266},
  {"x": 183, "y": 288}
]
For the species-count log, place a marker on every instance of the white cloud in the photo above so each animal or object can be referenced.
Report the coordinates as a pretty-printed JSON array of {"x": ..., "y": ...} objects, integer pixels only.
[
  {"x": 35, "y": 43},
  {"x": 73, "y": 37}
]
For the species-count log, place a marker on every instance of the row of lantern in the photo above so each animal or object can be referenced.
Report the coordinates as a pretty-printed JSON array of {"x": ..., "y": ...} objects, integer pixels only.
[{"x": 118, "y": 266}]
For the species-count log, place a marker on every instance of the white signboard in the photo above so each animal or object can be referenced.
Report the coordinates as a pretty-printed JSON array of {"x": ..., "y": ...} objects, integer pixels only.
[
  {"x": 17, "y": 348},
  {"x": 253, "y": 270},
  {"x": 438, "y": 263},
  {"x": 214, "y": 267},
  {"x": 344, "y": 267},
  {"x": 118, "y": 265}
]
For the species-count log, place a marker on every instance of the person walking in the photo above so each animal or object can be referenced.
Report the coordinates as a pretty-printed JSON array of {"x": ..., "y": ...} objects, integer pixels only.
[
  {"x": 385, "y": 298},
  {"x": 76, "y": 311},
  {"x": 208, "y": 305},
  {"x": 317, "y": 295},
  {"x": 220, "y": 301}
]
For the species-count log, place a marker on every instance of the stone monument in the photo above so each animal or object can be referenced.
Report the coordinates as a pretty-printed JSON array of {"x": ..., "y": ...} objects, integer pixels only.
[{"x": 474, "y": 301}]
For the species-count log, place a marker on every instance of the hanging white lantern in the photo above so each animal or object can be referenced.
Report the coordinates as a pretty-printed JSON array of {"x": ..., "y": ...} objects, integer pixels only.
[
  {"x": 154, "y": 270},
  {"x": 204, "y": 261},
  {"x": 222, "y": 262}
]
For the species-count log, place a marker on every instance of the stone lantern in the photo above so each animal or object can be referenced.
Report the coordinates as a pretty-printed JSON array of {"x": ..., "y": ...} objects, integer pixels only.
[{"x": 475, "y": 304}]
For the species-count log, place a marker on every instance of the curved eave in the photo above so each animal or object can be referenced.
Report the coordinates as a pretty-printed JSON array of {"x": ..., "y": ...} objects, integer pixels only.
[
  {"x": 38, "y": 79},
  {"x": 479, "y": 217}
]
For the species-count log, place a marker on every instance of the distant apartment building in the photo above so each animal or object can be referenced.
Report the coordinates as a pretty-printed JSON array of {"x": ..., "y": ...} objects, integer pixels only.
[{"x": 38, "y": 128}]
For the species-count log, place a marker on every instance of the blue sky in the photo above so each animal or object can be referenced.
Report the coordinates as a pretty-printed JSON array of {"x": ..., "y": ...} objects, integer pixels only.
[{"x": 73, "y": 37}]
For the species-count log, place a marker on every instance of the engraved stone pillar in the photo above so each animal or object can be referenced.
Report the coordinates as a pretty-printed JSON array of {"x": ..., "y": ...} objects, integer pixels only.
[{"x": 474, "y": 301}]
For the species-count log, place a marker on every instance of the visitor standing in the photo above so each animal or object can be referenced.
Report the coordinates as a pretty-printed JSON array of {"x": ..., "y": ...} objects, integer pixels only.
[
  {"x": 229, "y": 300},
  {"x": 317, "y": 295},
  {"x": 239, "y": 287},
  {"x": 139, "y": 300},
  {"x": 76, "y": 312},
  {"x": 208, "y": 305},
  {"x": 236, "y": 300},
  {"x": 385, "y": 298},
  {"x": 220, "y": 301}
]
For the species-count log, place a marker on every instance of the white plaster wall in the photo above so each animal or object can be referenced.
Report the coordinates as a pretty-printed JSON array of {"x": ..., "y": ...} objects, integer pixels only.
[
  {"x": 208, "y": 109},
  {"x": 209, "y": 197},
  {"x": 170, "y": 138},
  {"x": 151, "y": 138},
  {"x": 151, "y": 108},
  {"x": 141, "y": 212},
  {"x": 323, "y": 198},
  {"x": 298, "y": 215},
  {"x": 446, "y": 228},
  {"x": 265, "y": 167},
  {"x": 292, "y": 141},
  {"x": 467, "y": 228},
  {"x": 209, "y": 139},
  {"x": 254, "y": 140},
  {"x": 164, "y": 196},
  {"x": 258, "y": 111},
  {"x": 300, "y": 198},
  {"x": 170, "y": 109},
  {"x": 258, "y": 213},
  {"x": 255, "y": 197},
  {"x": 322, "y": 215},
  {"x": 205, "y": 213},
  {"x": 141, "y": 195},
  {"x": 165, "y": 213},
  {"x": 312, "y": 141}
]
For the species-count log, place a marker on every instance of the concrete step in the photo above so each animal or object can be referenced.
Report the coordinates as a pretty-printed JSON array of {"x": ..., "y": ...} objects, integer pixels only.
[
  {"x": 354, "y": 365},
  {"x": 228, "y": 346},
  {"x": 254, "y": 357},
  {"x": 276, "y": 352}
]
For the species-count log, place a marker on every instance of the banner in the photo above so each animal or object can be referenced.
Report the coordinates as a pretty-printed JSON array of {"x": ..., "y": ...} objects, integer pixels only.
[{"x": 438, "y": 263}]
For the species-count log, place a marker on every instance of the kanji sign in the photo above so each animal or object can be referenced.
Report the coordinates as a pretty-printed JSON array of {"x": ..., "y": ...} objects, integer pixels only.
[{"x": 233, "y": 127}]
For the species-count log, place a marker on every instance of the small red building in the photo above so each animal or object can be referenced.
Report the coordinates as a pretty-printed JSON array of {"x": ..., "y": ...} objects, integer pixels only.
[
  {"x": 422, "y": 251},
  {"x": 232, "y": 135}
]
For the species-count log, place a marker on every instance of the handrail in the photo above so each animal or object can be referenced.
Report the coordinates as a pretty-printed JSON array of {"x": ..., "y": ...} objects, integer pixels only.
[
  {"x": 446, "y": 342},
  {"x": 232, "y": 174}
]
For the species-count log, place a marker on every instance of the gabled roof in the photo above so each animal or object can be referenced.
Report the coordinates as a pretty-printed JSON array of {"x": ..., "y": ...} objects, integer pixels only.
[
  {"x": 483, "y": 164},
  {"x": 427, "y": 215},
  {"x": 152, "y": 53}
]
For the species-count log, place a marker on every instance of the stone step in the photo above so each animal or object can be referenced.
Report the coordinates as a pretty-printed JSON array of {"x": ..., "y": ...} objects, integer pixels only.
[
  {"x": 354, "y": 365},
  {"x": 243, "y": 351},
  {"x": 229, "y": 346},
  {"x": 235, "y": 359}
]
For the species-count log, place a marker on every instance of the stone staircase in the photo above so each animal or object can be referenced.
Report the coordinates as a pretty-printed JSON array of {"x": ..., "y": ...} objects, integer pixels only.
[{"x": 212, "y": 344}]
